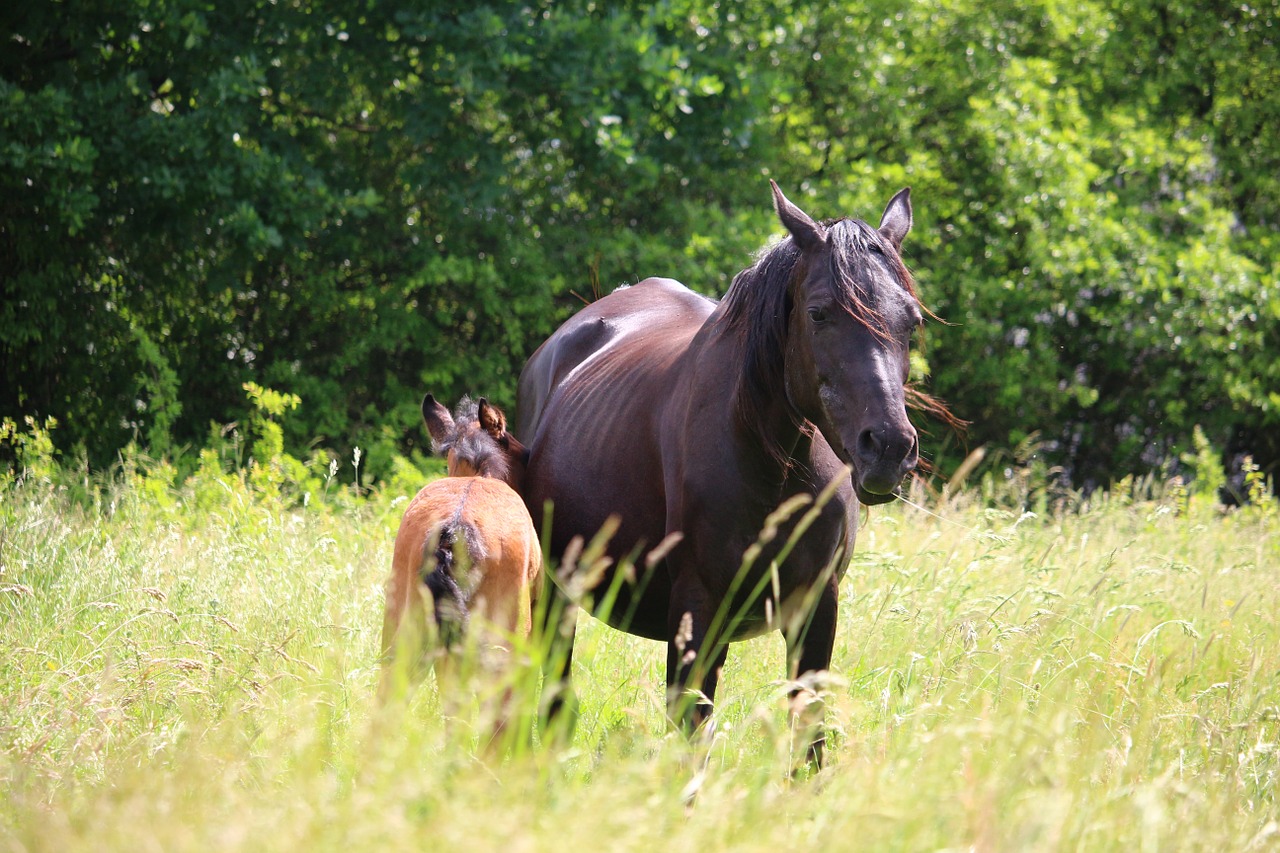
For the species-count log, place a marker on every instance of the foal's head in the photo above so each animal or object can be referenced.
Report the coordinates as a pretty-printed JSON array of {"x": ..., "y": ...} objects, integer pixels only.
[{"x": 475, "y": 440}]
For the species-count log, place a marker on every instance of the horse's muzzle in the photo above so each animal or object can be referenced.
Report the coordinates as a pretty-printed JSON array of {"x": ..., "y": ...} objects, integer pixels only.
[{"x": 883, "y": 458}]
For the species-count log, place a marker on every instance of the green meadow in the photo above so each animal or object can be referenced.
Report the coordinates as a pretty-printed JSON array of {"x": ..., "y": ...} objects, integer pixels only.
[{"x": 193, "y": 665}]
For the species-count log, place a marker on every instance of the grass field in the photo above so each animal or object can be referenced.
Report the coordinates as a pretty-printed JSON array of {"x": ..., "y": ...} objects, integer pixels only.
[{"x": 194, "y": 668}]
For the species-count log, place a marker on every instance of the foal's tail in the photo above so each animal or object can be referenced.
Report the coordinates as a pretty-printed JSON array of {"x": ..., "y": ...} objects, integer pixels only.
[{"x": 446, "y": 592}]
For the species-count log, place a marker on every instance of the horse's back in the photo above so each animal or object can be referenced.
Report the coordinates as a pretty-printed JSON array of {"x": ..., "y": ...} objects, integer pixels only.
[{"x": 651, "y": 321}]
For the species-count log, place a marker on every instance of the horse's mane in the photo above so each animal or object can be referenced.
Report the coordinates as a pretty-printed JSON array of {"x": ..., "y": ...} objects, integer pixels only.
[
  {"x": 471, "y": 444},
  {"x": 759, "y": 305}
]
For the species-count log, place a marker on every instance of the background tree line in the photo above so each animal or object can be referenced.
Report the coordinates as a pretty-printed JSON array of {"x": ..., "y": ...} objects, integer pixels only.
[{"x": 358, "y": 202}]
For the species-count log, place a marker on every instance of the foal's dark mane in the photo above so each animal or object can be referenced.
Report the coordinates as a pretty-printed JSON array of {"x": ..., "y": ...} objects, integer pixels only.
[
  {"x": 471, "y": 444},
  {"x": 759, "y": 305}
]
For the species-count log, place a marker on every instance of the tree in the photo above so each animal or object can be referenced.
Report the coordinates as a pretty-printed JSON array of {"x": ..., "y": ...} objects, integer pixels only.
[{"x": 357, "y": 204}]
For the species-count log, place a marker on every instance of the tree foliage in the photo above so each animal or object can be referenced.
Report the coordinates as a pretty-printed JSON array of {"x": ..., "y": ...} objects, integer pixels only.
[{"x": 355, "y": 203}]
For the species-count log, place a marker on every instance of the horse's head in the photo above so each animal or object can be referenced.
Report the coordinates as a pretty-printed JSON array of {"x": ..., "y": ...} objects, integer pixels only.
[
  {"x": 852, "y": 312},
  {"x": 475, "y": 440}
]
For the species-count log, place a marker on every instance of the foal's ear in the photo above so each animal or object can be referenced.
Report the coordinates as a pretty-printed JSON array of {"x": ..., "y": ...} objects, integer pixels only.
[
  {"x": 492, "y": 420},
  {"x": 896, "y": 221},
  {"x": 807, "y": 233},
  {"x": 437, "y": 418}
]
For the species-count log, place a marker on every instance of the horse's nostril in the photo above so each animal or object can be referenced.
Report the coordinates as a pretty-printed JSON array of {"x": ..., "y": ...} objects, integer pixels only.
[
  {"x": 886, "y": 445},
  {"x": 870, "y": 446}
]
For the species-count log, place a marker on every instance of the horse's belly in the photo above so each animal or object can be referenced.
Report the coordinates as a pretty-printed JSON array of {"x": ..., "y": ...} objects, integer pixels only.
[
  {"x": 586, "y": 499},
  {"x": 638, "y": 608},
  {"x": 629, "y": 594}
]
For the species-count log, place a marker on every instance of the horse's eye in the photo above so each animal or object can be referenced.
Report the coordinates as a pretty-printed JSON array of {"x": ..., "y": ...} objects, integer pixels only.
[{"x": 817, "y": 315}]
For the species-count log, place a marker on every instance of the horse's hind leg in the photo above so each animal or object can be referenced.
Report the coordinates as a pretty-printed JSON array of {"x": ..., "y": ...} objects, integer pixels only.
[
  {"x": 809, "y": 650},
  {"x": 557, "y": 621}
]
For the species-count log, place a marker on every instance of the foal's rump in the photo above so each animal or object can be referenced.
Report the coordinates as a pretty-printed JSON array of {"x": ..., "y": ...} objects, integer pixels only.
[
  {"x": 469, "y": 542},
  {"x": 448, "y": 552}
]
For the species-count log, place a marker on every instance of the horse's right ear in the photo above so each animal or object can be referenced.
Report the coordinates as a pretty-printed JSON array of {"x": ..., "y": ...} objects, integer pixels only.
[
  {"x": 896, "y": 220},
  {"x": 807, "y": 233},
  {"x": 438, "y": 420}
]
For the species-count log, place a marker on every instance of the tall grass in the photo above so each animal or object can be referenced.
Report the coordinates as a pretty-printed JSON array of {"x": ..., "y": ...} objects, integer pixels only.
[{"x": 194, "y": 667}]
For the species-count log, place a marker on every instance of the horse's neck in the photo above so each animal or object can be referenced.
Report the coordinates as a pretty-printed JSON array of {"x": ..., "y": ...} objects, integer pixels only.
[{"x": 716, "y": 358}]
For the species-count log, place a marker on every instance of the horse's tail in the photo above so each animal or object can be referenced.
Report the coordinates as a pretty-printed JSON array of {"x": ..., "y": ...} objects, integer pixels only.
[{"x": 447, "y": 589}]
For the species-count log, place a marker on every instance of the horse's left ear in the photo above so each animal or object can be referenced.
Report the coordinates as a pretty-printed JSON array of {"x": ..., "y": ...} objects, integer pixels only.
[
  {"x": 807, "y": 233},
  {"x": 896, "y": 221},
  {"x": 492, "y": 420}
]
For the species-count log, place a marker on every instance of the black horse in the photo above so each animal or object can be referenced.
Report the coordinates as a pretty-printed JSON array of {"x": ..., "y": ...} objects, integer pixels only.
[{"x": 679, "y": 415}]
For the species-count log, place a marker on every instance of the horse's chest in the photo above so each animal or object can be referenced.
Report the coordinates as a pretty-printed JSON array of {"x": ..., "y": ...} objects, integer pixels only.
[{"x": 768, "y": 573}]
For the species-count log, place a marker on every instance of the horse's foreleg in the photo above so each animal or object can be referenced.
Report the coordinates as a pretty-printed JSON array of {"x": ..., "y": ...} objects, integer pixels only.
[
  {"x": 694, "y": 661},
  {"x": 809, "y": 648}
]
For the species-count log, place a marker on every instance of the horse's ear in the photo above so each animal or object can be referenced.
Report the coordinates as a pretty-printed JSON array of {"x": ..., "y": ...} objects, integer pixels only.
[
  {"x": 807, "y": 233},
  {"x": 492, "y": 420},
  {"x": 437, "y": 418},
  {"x": 896, "y": 221}
]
